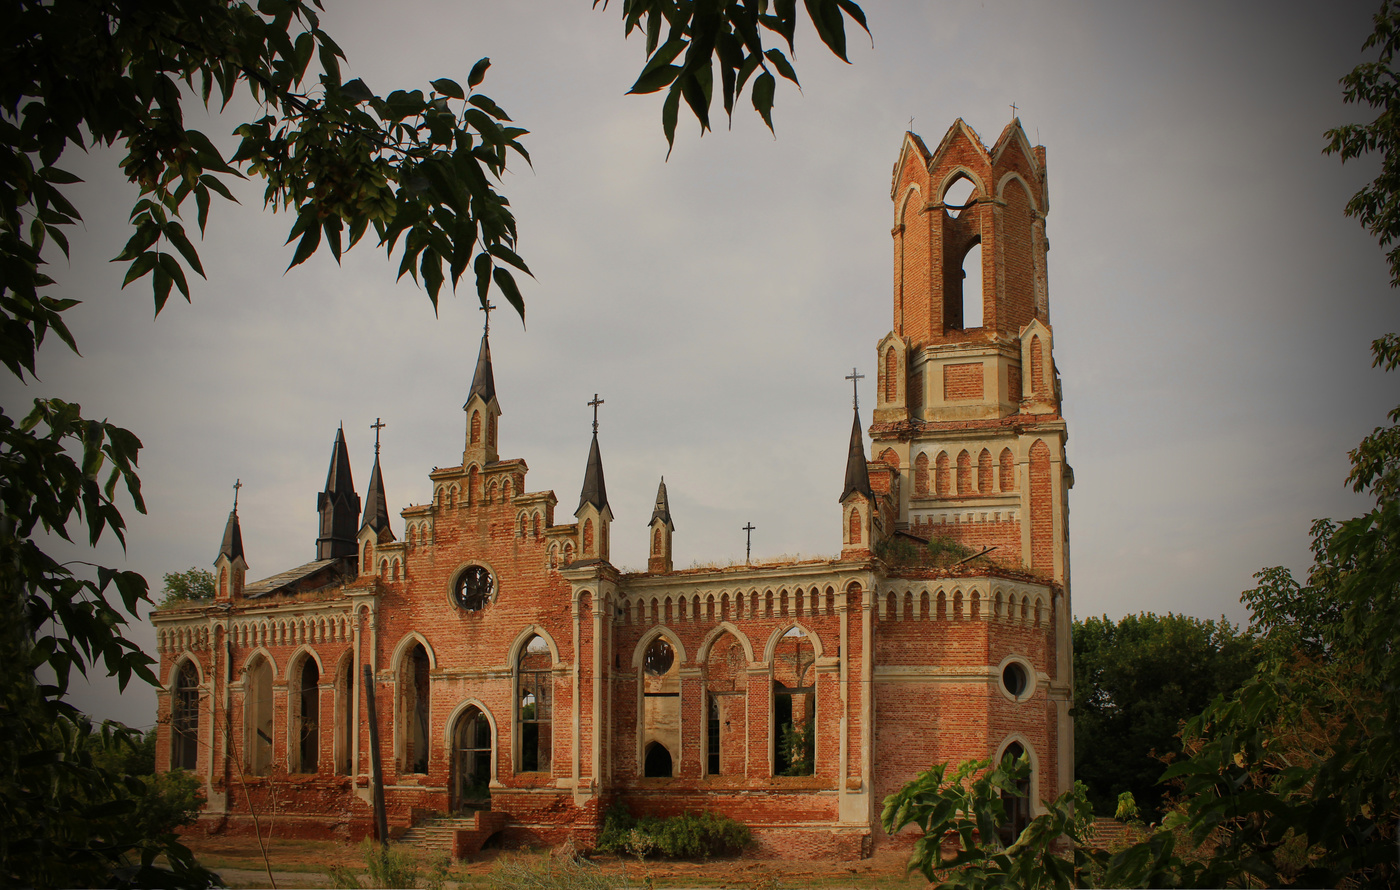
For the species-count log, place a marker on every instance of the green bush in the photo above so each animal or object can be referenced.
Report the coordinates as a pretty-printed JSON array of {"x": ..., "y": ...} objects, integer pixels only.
[{"x": 687, "y": 836}]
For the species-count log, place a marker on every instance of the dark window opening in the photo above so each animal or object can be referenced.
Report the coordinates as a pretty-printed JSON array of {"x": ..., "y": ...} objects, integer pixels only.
[
  {"x": 1014, "y": 678},
  {"x": 471, "y": 762},
  {"x": 712, "y": 738},
  {"x": 257, "y": 708},
  {"x": 536, "y": 701},
  {"x": 474, "y": 588},
  {"x": 414, "y": 698},
  {"x": 658, "y": 762},
  {"x": 1016, "y": 806},
  {"x": 794, "y": 706},
  {"x": 184, "y": 719},
  {"x": 309, "y": 714}
]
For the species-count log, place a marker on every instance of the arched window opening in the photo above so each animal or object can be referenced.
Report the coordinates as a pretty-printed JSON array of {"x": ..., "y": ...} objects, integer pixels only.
[
  {"x": 476, "y": 427},
  {"x": 1007, "y": 470},
  {"x": 535, "y": 697},
  {"x": 568, "y": 552},
  {"x": 964, "y": 473},
  {"x": 891, "y": 375},
  {"x": 473, "y": 477},
  {"x": 344, "y": 715},
  {"x": 658, "y": 762},
  {"x": 369, "y": 559},
  {"x": 921, "y": 474},
  {"x": 726, "y": 710},
  {"x": 958, "y": 196},
  {"x": 984, "y": 472},
  {"x": 413, "y": 710},
  {"x": 184, "y": 719},
  {"x": 1016, "y": 806},
  {"x": 491, "y": 430},
  {"x": 656, "y": 541},
  {"x": 1037, "y": 367},
  {"x": 855, "y": 526},
  {"x": 587, "y": 537},
  {"x": 661, "y": 708},
  {"x": 794, "y": 706},
  {"x": 257, "y": 716},
  {"x": 471, "y": 762},
  {"x": 941, "y": 474},
  {"x": 537, "y": 526},
  {"x": 972, "y": 288},
  {"x": 306, "y": 714}
]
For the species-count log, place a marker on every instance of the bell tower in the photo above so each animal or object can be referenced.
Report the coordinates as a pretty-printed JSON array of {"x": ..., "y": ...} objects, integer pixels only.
[{"x": 969, "y": 411}]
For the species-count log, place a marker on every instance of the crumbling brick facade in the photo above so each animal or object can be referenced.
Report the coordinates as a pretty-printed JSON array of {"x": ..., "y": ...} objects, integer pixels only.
[{"x": 514, "y": 667}]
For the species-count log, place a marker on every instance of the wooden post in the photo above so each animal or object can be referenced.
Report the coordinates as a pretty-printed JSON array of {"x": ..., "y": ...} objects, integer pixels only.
[{"x": 381, "y": 821}]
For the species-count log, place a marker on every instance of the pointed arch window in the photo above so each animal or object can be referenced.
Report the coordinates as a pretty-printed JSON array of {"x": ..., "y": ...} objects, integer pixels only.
[
  {"x": 414, "y": 698},
  {"x": 661, "y": 709},
  {"x": 184, "y": 719},
  {"x": 471, "y": 762},
  {"x": 476, "y": 427},
  {"x": 306, "y": 712},
  {"x": 587, "y": 536},
  {"x": 257, "y": 717},
  {"x": 534, "y": 714},
  {"x": 1016, "y": 805},
  {"x": 891, "y": 375},
  {"x": 921, "y": 474},
  {"x": 1007, "y": 470},
  {"x": 855, "y": 526},
  {"x": 794, "y": 706}
]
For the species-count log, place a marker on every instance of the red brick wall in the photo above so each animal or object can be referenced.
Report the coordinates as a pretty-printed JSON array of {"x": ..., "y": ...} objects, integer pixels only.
[{"x": 963, "y": 381}]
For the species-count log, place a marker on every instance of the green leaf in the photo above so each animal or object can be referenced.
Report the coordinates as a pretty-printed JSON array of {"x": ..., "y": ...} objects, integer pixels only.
[
  {"x": 356, "y": 91},
  {"x": 171, "y": 267},
  {"x": 449, "y": 87},
  {"x": 763, "y": 87},
  {"x": 142, "y": 264},
  {"x": 478, "y": 73},
  {"x": 310, "y": 240},
  {"x": 506, "y": 282},
  {"x": 784, "y": 67}
]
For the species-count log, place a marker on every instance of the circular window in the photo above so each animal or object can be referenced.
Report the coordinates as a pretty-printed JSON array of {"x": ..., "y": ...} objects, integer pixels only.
[
  {"x": 474, "y": 588},
  {"x": 659, "y": 657},
  {"x": 1017, "y": 679}
]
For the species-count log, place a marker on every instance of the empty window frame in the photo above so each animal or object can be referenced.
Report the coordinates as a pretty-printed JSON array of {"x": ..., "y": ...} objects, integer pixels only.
[{"x": 535, "y": 706}]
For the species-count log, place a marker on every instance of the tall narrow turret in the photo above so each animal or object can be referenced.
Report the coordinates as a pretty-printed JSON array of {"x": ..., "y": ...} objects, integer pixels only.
[
  {"x": 338, "y": 505},
  {"x": 482, "y": 410},
  {"x": 231, "y": 566},
  {"x": 594, "y": 514},
  {"x": 661, "y": 531}
]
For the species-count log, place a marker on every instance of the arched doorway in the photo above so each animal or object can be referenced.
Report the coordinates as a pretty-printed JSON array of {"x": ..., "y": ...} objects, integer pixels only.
[
  {"x": 658, "y": 762},
  {"x": 471, "y": 762}
]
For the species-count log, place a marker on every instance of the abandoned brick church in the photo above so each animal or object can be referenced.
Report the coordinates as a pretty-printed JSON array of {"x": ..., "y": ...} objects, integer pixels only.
[{"x": 518, "y": 672}]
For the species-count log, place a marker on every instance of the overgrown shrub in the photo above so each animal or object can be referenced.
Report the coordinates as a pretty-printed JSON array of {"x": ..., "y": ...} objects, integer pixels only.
[
  {"x": 908, "y": 551},
  {"x": 388, "y": 866},
  {"x": 687, "y": 836}
]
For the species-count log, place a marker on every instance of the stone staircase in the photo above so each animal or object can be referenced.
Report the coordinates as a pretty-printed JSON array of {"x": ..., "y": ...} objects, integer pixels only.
[{"x": 458, "y": 837}]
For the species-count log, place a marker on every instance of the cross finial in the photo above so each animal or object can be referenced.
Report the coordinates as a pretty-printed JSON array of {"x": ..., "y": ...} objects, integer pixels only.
[
  {"x": 237, "y": 484},
  {"x": 487, "y": 307},
  {"x": 911, "y": 123},
  {"x": 594, "y": 405},
  {"x": 748, "y": 540},
  {"x": 855, "y": 377},
  {"x": 1013, "y": 110},
  {"x": 377, "y": 426}
]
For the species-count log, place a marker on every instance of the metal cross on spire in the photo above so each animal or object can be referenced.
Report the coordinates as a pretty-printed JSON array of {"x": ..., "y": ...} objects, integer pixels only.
[
  {"x": 594, "y": 405},
  {"x": 487, "y": 307},
  {"x": 1013, "y": 109},
  {"x": 377, "y": 426},
  {"x": 855, "y": 377},
  {"x": 748, "y": 541},
  {"x": 237, "y": 484}
]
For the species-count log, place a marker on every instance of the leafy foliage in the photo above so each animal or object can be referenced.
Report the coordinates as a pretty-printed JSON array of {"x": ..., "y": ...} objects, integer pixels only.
[
  {"x": 1136, "y": 681},
  {"x": 798, "y": 745},
  {"x": 726, "y": 35},
  {"x": 192, "y": 585},
  {"x": 687, "y": 836},
  {"x": 901, "y": 550}
]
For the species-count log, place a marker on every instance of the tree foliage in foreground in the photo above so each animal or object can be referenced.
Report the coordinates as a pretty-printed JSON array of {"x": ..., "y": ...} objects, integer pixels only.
[
  {"x": 418, "y": 167},
  {"x": 1135, "y": 682},
  {"x": 192, "y": 585}
]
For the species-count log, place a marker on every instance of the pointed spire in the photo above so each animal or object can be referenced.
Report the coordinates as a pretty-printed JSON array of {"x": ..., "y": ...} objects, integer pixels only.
[
  {"x": 594, "y": 492},
  {"x": 338, "y": 505},
  {"x": 857, "y": 474},
  {"x": 338, "y": 478},
  {"x": 662, "y": 510},
  {"x": 232, "y": 547},
  {"x": 484, "y": 381},
  {"x": 376, "y": 505}
]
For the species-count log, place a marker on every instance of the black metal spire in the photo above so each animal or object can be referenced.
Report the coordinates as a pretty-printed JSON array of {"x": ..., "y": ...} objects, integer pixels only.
[
  {"x": 376, "y": 504},
  {"x": 338, "y": 505},
  {"x": 857, "y": 474},
  {"x": 232, "y": 546},
  {"x": 483, "y": 382},
  {"x": 595, "y": 491},
  {"x": 662, "y": 510}
]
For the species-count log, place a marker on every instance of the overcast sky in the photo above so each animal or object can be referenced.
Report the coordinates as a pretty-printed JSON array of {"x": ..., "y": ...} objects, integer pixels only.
[{"x": 1212, "y": 306}]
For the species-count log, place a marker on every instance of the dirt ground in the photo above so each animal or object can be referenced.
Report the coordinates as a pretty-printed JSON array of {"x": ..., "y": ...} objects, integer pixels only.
[{"x": 300, "y": 864}]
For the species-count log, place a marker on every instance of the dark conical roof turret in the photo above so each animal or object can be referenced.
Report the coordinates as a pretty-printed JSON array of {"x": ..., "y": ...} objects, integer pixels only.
[
  {"x": 662, "y": 510},
  {"x": 338, "y": 505},
  {"x": 595, "y": 491},
  {"x": 232, "y": 547},
  {"x": 376, "y": 505},
  {"x": 857, "y": 474},
  {"x": 483, "y": 381}
]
